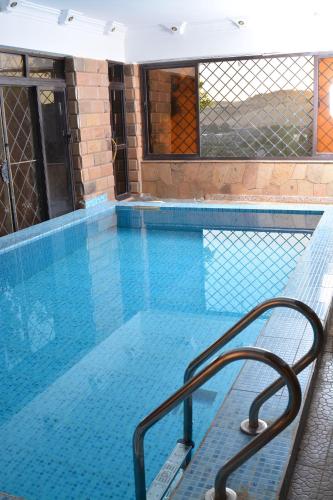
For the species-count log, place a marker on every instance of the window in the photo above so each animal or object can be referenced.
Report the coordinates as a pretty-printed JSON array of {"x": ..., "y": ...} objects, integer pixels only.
[
  {"x": 240, "y": 108},
  {"x": 28, "y": 66},
  {"x": 11, "y": 65},
  {"x": 257, "y": 108},
  {"x": 46, "y": 68},
  {"x": 172, "y": 110},
  {"x": 325, "y": 106}
]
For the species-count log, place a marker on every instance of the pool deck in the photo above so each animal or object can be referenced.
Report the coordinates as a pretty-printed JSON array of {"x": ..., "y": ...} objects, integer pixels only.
[
  {"x": 312, "y": 478},
  {"x": 266, "y": 475}
]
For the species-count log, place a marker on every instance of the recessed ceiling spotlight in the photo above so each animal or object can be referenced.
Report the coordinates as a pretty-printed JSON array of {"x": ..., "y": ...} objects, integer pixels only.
[
  {"x": 239, "y": 22},
  {"x": 114, "y": 27},
  {"x": 67, "y": 16},
  {"x": 178, "y": 28},
  {"x": 8, "y": 5}
]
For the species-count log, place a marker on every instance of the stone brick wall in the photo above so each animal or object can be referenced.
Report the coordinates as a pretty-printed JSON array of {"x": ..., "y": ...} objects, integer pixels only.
[
  {"x": 303, "y": 181},
  {"x": 134, "y": 126},
  {"x": 89, "y": 119}
]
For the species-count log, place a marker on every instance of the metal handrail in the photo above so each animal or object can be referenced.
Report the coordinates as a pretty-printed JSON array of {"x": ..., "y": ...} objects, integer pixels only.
[
  {"x": 197, "y": 381},
  {"x": 303, "y": 362}
]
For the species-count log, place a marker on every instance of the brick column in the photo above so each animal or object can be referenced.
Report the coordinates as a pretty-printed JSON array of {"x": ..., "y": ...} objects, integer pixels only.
[
  {"x": 134, "y": 126},
  {"x": 89, "y": 117}
]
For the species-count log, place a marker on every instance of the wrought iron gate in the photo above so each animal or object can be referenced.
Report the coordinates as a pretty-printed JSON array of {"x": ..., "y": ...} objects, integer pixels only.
[{"x": 28, "y": 194}]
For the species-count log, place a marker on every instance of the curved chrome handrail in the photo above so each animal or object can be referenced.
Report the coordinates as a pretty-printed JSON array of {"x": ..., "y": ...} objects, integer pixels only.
[
  {"x": 197, "y": 381},
  {"x": 303, "y": 362}
]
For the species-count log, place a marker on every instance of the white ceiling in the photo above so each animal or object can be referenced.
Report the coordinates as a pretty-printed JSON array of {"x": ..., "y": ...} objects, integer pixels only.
[{"x": 140, "y": 13}]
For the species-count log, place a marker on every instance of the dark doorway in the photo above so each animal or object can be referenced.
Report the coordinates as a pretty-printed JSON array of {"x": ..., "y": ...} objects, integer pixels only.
[
  {"x": 118, "y": 124},
  {"x": 55, "y": 136}
]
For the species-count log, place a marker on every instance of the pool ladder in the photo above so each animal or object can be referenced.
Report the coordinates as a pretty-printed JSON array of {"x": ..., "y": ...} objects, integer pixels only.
[{"x": 181, "y": 455}]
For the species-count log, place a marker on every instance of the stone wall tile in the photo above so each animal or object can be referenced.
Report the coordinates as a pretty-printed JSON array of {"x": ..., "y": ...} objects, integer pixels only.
[
  {"x": 289, "y": 188},
  {"x": 314, "y": 172},
  {"x": 299, "y": 171},
  {"x": 305, "y": 188}
]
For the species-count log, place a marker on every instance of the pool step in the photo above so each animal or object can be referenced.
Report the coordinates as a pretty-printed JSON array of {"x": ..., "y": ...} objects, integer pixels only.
[{"x": 168, "y": 472}]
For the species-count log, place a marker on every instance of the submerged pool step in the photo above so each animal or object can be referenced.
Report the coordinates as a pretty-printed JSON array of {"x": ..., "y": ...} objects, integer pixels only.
[{"x": 168, "y": 472}]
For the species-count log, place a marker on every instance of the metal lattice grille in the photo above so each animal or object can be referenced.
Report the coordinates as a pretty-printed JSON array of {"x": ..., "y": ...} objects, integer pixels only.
[
  {"x": 257, "y": 108},
  {"x": 172, "y": 111},
  {"x": 183, "y": 109},
  {"x": 11, "y": 65},
  {"x": 325, "y": 119},
  {"x": 45, "y": 68},
  {"x": 47, "y": 96},
  {"x": 244, "y": 268},
  {"x": 22, "y": 151},
  {"x": 5, "y": 215}
]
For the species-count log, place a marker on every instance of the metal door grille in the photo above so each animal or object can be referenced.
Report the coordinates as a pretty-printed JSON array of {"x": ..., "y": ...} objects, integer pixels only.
[
  {"x": 247, "y": 267},
  {"x": 20, "y": 133},
  {"x": 257, "y": 108},
  {"x": 5, "y": 215}
]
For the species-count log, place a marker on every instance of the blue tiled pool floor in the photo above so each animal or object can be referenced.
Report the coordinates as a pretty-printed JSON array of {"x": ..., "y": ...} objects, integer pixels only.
[{"x": 99, "y": 324}]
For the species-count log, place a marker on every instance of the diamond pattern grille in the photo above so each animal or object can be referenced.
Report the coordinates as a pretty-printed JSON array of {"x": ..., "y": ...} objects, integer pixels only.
[
  {"x": 47, "y": 96},
  {"x": 257, "y": 108},
  {"x": 325, "y": 120},
  {"x": 244, "y": 268},
  {"x": 11, "y": 65},
  {"x": 21, "y": 152},
  {"x": 45, "y": 68},
  {"x": 5, "y": 214},
  {"x": 183, "y": 108},
  {"x": 172, "y": 110}
]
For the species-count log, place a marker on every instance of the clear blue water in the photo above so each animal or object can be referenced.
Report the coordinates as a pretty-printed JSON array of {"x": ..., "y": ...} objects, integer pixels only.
[{"x": 98, "y": 323}]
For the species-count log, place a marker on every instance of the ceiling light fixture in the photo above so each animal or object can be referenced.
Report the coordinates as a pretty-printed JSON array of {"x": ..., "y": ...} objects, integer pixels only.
[
  {"x": 67, "y": 16},
  {"x": 178, "y": 28},
  {"x": 114, "y": 27},
  {"x": 8, "y": 5},
  {"x": 239, "y": 22}
]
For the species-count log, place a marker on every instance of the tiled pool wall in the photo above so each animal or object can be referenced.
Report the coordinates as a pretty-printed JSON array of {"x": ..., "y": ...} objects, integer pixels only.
[{"x": 265, "y": 475}]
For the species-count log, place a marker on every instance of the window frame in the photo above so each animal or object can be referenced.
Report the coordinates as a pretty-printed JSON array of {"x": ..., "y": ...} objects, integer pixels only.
[
  {"x": 26, "y": 79},
  {"x": 194, "y": 63},
  {"x": 145, "y": 108}
]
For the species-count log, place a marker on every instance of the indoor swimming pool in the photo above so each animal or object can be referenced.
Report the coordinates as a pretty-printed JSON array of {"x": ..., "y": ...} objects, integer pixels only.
[{"x": 98, "y": 322}]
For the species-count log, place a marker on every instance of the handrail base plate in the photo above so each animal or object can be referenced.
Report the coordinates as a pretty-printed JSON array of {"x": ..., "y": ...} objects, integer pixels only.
[
  {"x": 253, "y": 431},
  {"x": 230, "y": 494}
]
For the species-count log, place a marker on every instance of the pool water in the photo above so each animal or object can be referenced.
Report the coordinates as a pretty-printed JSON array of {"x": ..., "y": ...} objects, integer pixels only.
[{"x": 98, "y": 322}]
